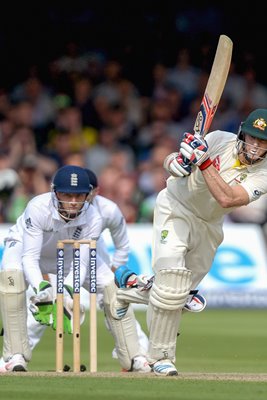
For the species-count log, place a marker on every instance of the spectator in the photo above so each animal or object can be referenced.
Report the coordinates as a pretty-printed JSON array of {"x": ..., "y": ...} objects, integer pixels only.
[
  {"x": 184, "y": 77},
  {"x": 82, "y": 99},
  {"x": 32, "y": 182},
  {"x": 127, "y": 196},
  {"x": 9, "y": 180},
  {"x": 69, "y": 123},
  {"x": 146, "y": 208},
  {"x": 22, "y": 144}
]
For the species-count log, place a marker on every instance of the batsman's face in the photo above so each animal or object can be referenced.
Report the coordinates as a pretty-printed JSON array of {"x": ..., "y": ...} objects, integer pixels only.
[{"x": 254, "y": 149}]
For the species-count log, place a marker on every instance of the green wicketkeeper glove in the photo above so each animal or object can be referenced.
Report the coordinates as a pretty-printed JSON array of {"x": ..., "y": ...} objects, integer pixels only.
[
  {"x": 41, "y": 305},
  {"x": 67, "y": 323},
  {"x": 68, "y": 311}
]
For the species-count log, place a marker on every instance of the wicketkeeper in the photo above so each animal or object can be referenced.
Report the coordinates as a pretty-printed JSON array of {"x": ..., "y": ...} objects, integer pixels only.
[
  {"x": 131, "y": 342},
  {"x": 30, "y": 253}
]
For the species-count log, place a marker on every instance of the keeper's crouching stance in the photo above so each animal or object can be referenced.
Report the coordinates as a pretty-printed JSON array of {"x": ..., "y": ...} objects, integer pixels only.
[{"x": 14, "y": 314}]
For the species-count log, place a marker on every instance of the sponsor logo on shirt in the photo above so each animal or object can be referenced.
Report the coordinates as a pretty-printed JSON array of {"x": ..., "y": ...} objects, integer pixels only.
[
  {"x": 77, "y": 233},
  {"x": 256, "y": 194},
  {"x": 164, "y": 235},
  {"x": 240, "y": 178},
  {"x": 28, "y": 223}
]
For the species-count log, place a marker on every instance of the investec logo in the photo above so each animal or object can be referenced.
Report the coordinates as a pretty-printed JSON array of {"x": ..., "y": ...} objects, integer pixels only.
[
  {"x": 76, "y": 272},
  {"x": 93, "y": 271},
  {"x": 60, "y": 271}
]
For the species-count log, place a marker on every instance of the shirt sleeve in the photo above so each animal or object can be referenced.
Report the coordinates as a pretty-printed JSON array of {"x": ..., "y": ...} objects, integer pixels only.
[
  {"x": 31, "y": 245},
  {"x": 118, "y": 231},
  {"x": 255, "y": 185}
]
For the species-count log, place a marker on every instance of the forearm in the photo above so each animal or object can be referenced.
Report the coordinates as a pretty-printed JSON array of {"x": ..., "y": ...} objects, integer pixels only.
[
  {"x": 195, "y": 149},
  {"x": 227, "y": 196},
  {"x": 32, "y": 272}
]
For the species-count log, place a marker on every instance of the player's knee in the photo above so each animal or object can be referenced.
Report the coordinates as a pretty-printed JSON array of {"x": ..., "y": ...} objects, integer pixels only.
[{"x": 171, "y": 288}]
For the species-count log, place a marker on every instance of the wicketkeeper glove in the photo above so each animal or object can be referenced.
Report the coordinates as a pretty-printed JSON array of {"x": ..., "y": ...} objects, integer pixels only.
[
  {"x": 195, "y": 149},
  {"x": 41, "y": 305},
  {"x": 176, "y": 165},
  {"x": 67, "y": 311}
]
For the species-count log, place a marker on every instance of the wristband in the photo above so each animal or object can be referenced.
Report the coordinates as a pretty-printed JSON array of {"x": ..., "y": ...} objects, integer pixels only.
[{"x": 205, "y": 164}]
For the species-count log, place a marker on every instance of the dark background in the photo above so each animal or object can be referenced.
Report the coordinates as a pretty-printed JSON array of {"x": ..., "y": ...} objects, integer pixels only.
[{"x": 138, "y": 33}]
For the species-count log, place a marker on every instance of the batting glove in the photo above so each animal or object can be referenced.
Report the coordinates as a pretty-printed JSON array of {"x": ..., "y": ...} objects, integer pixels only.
[
  {"x": 176, "y": 165},
  {"x": 196, "y": 150},
  {"x": 41, "y": 305},
  {"x": 67, "y": 311},
  {"x": 124, "y": 277}
]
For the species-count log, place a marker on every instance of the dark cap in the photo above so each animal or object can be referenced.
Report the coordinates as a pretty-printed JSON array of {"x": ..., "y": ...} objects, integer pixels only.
[
  {"x": 71, "y": 179},
  {"x": 92, "y": 177},
  {"x": 256, "y": 124}
]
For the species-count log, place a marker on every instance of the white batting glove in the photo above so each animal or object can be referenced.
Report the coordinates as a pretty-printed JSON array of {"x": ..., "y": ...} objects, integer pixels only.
[
  {"x": 195, "y": 149},
  {"x": 176, "y": 166}
]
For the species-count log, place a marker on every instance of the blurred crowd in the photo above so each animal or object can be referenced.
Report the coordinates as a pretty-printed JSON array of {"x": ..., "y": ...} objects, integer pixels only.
[{"x": 89, "y": 112}]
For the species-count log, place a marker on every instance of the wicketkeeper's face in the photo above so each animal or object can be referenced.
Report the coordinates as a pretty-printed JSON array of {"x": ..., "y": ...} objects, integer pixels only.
[{"x": 70, "y": 204}]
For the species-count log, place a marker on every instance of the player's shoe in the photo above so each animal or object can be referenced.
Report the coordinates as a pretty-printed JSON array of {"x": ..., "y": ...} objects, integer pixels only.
[
  {"x": 16, "y": 363},
  {"x": 139, "y": 364},
  {"x": 195, "y": 303},
  {"x": 164, "y": 368}
]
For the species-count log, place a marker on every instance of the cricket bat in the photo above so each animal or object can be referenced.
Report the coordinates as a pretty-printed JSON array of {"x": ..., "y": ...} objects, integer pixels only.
[{"x": 215, "y": 86}]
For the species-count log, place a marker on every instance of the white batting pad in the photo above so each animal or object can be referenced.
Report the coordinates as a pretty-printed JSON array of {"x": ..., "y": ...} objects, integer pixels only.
[
  {"x": 14, "y": 314},
  {"x": 167, "y": 299},
  {"x": 118, "y": 308},
  {"x": 124, "y": 331}
]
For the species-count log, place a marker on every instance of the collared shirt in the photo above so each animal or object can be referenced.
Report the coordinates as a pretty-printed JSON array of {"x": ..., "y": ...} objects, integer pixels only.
[{"x": 192, "y": 191}]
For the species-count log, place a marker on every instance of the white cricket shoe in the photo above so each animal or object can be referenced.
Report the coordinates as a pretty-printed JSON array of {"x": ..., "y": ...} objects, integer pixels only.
[
  {"x": 140, "y": 364},
  {"x": 16, "y": 363},
  {"x": 195, "y": 303},
  {"x": 164, "y": 368}
]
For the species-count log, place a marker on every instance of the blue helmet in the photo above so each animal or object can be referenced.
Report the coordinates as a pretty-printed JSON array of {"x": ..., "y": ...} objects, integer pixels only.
[
  {"x": 92, "y": 178},
  {"x": 71, "y": 179}
]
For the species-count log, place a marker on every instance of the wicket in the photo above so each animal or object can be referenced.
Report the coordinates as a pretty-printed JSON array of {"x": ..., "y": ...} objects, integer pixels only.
[{"x": 76, "y": 304}]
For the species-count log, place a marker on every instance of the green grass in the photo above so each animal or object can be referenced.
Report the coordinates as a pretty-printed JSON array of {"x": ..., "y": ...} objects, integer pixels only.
[
  {"x": 214, "y": 341},
  {"x": 72, "y": 388},
  {"x": 223, "y": 341},
  {"x": 211, "y": 341}
]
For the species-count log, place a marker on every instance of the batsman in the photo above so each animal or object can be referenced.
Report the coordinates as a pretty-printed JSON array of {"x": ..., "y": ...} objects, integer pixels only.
[{"x": 209, "y": 177}]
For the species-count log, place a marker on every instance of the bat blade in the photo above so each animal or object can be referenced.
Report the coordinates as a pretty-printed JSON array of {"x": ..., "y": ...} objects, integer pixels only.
[{"x": 215, "y": 86}]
